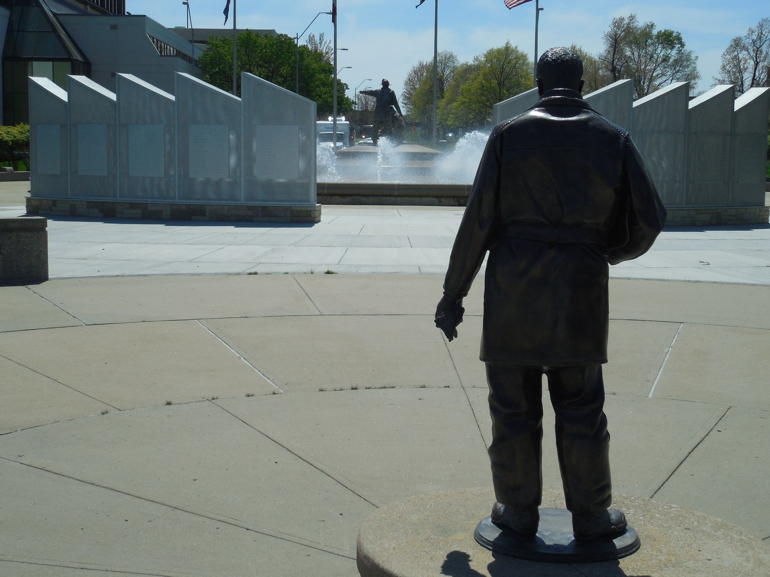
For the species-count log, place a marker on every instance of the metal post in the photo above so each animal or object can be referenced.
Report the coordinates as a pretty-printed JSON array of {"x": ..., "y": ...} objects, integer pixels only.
[
  {"x": 192, "y": 30},
  {"x": 235, "y": 53},
  {"x": 296, "y": 65},
  {"x": 435, "y": 76},
  {"x": 334, "y": 87},
  {"x": 537, "y": 25}
]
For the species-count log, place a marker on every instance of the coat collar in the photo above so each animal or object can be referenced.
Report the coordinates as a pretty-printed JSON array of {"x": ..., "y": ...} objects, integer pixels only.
[{"x": 562, "y": 97}]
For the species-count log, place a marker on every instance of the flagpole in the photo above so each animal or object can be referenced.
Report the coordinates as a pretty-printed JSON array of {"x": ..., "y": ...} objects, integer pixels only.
[
  {"x": 537, "y": 26},
  {"x": 235, "y": 52},
  {"x": 435, "y": 76}
]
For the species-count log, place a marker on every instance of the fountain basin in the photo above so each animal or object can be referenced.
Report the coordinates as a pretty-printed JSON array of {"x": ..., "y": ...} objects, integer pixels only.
[{"x": 413, "y": 194}]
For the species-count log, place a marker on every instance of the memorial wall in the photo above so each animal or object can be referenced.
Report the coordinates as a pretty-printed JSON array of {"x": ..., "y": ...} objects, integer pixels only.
[
  {"x": 707, "y": 156},
  {"x": 202, "y": 153}
]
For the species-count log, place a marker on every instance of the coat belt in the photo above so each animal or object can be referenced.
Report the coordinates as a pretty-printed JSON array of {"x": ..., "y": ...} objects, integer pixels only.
[{"x": 556, "y": 234}]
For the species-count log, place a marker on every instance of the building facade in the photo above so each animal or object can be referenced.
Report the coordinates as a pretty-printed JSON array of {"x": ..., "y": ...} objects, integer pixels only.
[{"x": 94, "y": 38}]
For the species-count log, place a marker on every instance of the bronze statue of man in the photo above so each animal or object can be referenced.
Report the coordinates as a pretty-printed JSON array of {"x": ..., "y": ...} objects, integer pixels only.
[
  {"x": 385, "y": 109},
  {"x": 559, "y": 194}
]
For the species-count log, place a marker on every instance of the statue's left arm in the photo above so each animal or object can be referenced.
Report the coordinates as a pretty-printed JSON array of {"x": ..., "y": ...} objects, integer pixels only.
[
  {"x": 475, "y": 235},
  {"x": 644, "y": 214}
]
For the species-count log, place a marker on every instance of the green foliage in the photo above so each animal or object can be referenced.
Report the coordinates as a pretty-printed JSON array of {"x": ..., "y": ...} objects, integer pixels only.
[
  {"x": 417, "y": 97},
  {"x": 496, "y": 76},
  {"x": 467, "y": 91},
  {"x": 14, "y": 146},
  {"x": 274, "y": 58},
  {"x": 651, "y": 58}
]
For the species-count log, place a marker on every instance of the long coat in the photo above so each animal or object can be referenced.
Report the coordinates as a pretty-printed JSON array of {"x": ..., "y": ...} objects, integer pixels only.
[{"x": 560, "y": 192}]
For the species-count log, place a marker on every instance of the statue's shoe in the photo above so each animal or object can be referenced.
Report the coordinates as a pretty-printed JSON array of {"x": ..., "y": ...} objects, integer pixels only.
[
  {"x": 605, "y": 525},
  {"x": 522, "y": 522}
]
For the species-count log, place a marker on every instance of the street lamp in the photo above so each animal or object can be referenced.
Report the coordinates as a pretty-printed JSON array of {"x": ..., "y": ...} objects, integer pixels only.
[
  {"x": 190, "y": 26},
  {"x": 296, "y": 51},
  {"x": 355, "y": 92}
]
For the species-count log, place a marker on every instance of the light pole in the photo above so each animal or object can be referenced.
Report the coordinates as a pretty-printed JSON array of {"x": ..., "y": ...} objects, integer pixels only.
[
  {"x": 355, "y": 92},
  {"x": 334, "y": 86},
  {"x": 434, "y": 115},
  {"x": 296, "y": 51},
  {"x": 190, "y": 26}
]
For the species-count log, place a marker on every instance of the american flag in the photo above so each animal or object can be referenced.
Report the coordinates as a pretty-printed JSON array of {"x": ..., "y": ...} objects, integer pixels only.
[{"x": 513, "y": 3}]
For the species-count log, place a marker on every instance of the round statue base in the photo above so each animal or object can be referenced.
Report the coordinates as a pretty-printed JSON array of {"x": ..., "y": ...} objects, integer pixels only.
[
  {"x": 433, "y": 536},
  {"x": 554, "y": 542}
]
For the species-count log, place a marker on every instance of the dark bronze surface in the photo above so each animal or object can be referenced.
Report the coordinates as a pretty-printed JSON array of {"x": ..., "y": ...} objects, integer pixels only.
[
  {"x": 554, "y": 541},
  {"x": 560, "y": 194}
]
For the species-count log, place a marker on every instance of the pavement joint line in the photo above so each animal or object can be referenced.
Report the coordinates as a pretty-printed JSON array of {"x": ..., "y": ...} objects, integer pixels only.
[
  {"x": 307, "y": 294},
  {"x": 690, "y": 452},
  {"x": 55, "y": 380},
  {"x": 294, "y": 540},
  {"x": 240, "y": 356},
  {"x": 465, "y": 392},
  {"x": 665, "y": 360},
  {"x": 344, "y": 254},
  {"x": 33, "y": 291},
  {"x": 217, "y": 248},
  {"x": 82, "y": 568},
  {"x": 297, "y": 455}
]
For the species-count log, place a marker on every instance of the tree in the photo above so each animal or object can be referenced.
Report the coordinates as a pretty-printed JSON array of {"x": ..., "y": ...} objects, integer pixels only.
[
  {"x": 594, "y": 76},
  {"x": 651, "y": 58},
  {"x": 499, "y": 74},
  {"x": 417, "y": 96},
  {"x": 272, "y": 58},
  {"x": 322, "y": 45},
  {"x": 746, "y": 60},
  {"x": 616, "y": 40}
]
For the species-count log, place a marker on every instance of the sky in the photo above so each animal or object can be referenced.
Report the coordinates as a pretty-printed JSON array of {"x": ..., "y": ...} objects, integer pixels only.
[{"x": 386, "y": 38}]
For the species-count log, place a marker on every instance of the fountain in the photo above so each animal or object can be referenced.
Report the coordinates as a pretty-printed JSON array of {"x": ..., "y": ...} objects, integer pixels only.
[{"x": 392, "y": 173}]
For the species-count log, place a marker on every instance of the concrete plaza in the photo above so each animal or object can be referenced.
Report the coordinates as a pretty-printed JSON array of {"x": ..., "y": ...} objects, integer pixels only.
[{"x": 164, "y": 423}]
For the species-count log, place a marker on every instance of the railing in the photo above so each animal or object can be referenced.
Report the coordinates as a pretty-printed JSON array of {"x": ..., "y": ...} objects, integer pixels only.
[
  {"x": 165, "y": 49},
  {"x": 110, "y": 6}
]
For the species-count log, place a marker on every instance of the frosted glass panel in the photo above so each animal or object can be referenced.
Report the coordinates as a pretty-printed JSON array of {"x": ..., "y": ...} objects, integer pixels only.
[
  {"x": 209, "y": 147},
  {"x": 92, "y": 149},
  {"x": 145, "y": 150}
]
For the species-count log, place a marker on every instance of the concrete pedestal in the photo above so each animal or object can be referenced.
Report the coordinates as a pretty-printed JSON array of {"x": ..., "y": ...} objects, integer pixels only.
[
  {"x": 23, "y": 250},
  {"x": 432, "y": 535}
]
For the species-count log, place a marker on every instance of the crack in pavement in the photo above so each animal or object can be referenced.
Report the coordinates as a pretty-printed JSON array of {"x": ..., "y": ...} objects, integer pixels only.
[
  {"x": 294, "y": 540},
  {"x": 297, "y": 455},
  {"x": 690, "y": 452}
]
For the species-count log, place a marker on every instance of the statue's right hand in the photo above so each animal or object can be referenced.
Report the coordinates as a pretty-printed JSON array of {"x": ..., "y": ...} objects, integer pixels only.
[{"x": 449, "y": 314}]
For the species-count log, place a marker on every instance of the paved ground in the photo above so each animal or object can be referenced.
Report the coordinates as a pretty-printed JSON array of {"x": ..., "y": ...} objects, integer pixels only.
[
  {"x": 244, "y": 425},
  {"x": 353, "y": 240}
]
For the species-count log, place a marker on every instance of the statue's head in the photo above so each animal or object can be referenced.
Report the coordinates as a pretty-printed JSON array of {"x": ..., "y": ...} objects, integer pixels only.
[
  {"x": 559, "y": 68},
  {"x": 385, "y": 83}
]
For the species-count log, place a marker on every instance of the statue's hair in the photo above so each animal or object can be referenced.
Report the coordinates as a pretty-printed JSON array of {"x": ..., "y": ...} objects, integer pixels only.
[{"x": 560, "y": 68}]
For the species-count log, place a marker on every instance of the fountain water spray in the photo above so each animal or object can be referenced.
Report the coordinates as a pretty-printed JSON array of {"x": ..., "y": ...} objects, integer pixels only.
[{"x": 388, "y": 163}]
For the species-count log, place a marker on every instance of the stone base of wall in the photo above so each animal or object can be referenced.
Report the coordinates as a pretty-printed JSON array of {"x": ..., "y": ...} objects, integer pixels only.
[
  {"x": 13, "y": 176},
  {"x": 717, "y": 215},
  {"x": 23, "y": 250},
  {"x": 173, "y": 211},
  {"x": 393, "y": 193}
]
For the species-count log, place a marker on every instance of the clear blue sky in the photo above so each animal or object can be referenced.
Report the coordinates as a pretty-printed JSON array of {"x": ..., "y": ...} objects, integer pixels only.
[{"x": 385, "y": 38}]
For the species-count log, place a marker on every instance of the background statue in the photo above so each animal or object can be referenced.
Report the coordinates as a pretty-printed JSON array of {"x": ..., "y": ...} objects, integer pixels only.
[
  {"x": 560, "y": 192},
  {"x": 388, "y": 119}
]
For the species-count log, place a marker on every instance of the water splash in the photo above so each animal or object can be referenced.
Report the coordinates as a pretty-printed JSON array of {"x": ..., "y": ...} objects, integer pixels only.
[
  {"x": 459, "y": 166},
  {"x": 387, "y": 164}
]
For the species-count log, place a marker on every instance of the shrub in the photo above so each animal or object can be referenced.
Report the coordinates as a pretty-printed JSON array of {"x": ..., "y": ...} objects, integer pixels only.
[{"x": 14, "y": 145}]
